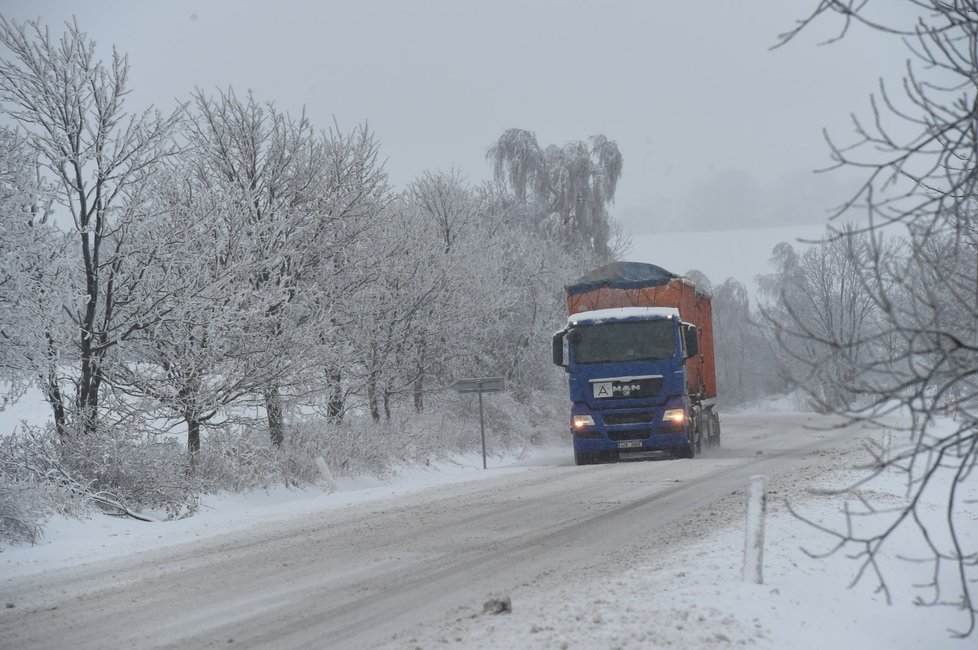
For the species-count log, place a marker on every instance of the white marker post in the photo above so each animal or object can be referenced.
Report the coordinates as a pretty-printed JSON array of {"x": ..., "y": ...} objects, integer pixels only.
[
  {"x": 754, "y": 543},
  {"x": 328, "y": 481}
]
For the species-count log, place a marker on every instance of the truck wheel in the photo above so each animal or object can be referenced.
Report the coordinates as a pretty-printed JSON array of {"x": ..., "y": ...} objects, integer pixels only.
[
  {"x": 583, "y": 458},
  {"x": 695, "y": 433},
  {"x": 711, "y": 428},
  {"x": 708, "y": 429}
]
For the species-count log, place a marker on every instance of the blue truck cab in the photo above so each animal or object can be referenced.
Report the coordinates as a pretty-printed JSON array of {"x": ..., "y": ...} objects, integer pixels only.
[{"x": 628, "y": 383}]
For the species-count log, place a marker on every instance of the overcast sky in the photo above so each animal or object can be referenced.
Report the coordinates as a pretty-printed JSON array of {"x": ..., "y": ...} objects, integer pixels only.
[{"x": 716, "y": 130}]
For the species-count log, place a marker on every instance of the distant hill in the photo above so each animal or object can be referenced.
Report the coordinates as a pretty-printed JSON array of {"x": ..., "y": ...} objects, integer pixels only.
[{"x": 720, "y": 254}]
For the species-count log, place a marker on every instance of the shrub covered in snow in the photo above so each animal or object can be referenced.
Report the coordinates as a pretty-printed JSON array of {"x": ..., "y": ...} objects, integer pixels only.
[
  {"x": 124, "y": 475},
  {"x": 153, "y": 476}
]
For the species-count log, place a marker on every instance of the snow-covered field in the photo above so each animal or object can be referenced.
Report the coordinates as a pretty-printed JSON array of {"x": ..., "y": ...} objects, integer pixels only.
[{"x": 685, "y": 592}]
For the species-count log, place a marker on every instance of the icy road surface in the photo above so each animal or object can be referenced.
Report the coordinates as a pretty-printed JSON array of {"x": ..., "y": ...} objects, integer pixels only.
[{"x": 385, "y": 573}]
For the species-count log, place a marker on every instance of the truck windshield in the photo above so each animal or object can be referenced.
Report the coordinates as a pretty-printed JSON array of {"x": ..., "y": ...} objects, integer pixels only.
[{"x": 609, "y": 342}]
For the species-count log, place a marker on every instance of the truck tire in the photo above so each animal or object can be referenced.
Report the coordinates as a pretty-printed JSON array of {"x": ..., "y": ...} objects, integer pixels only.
[
  {"x": 583, "y": 458},
  {"x": 714, "y": 429},
  {"x": 711, "y": 428},
  {"x": 694, "y": 435},
  {"x": 699, "y": 430}
]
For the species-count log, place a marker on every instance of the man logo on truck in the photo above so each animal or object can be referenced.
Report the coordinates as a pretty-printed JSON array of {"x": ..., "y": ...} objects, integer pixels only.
[{"x": 604, "y": 389}]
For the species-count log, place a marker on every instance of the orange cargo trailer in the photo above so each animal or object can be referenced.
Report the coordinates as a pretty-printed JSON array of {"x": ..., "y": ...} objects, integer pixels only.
[{"x": 633, "y": 284}]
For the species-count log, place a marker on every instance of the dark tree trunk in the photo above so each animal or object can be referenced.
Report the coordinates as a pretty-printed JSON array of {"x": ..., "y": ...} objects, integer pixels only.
[
  {"x": 88, "y": 388},
  {"x": 419, "y": 392},
  {"x": 276, "y": 417},
  {"x": 53, "y": 393},
  {"x": 372, "y": 379},
  {"x": 56, "y": 401},
  {"x": 90, "y": 375},
  {"x": 193, "y": 433},
  {"x": 372, "y": 396},
  {"x": 334, "y": 408},
  {"x": 419, "y": 379}
]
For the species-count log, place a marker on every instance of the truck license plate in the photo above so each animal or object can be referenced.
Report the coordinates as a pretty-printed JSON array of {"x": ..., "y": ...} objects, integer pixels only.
[{"x": 629, "y": 444}]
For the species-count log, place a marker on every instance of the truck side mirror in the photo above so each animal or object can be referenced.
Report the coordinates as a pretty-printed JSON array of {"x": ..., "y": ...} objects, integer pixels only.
[
  {"x": 692, "y": 340},
  {"x": 558, "y": 349}
]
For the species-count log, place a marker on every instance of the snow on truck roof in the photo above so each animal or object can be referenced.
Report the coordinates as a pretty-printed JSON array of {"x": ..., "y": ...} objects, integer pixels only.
[{"x": 622, "y": 313}]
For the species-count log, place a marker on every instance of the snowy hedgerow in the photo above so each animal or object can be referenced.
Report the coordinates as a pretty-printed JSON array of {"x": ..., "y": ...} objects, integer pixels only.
[{"x": 123, "y": 475}]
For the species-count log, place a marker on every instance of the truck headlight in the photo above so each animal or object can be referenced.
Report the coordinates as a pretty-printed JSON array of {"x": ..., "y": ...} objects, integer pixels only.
[
  {"x": 581, "y": 421},
  {"x": 674, "y": 416}
]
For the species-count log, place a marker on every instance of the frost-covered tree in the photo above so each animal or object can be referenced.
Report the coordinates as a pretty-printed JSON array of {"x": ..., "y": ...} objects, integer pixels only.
[
  {"x": 72, "y": 108},
  {"x": 569, "y": 187},
  {"x": 823, "y": 315},
  {"x": 18, "y": 263},
  {"x": 445, "y": 203},
  {"x": 444, "y": 210},
  {"x": 30, "y": 261},
  {"x": 302, "y": 201},
  {"x": 534, "y": 266},
  {"x": 435, "y": 294},
  {"x": 919, "y": 151},
  {"x": 376, "y": 321},
  {"x": 198, "y": 358},
  {"x": 268, "y": 168},
  {"x": 748, "y": 367},
  {"x": 518, "y": 161}
]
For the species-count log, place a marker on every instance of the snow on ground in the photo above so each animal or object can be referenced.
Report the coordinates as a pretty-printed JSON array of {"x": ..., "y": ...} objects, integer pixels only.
[
  {"x": 690, "y": 595},
  {"x": 694, "y": 596}
]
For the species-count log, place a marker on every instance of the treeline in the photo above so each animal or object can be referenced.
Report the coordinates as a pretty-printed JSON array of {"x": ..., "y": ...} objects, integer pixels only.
[{"x": 233, "y": 273}]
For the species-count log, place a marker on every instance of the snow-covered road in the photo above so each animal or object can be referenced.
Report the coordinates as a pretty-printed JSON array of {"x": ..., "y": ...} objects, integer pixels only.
[{"x": 397, "y": 571}]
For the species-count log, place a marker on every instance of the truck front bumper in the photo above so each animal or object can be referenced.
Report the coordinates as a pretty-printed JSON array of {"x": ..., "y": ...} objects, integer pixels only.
[{"x": 595, "y": 441}]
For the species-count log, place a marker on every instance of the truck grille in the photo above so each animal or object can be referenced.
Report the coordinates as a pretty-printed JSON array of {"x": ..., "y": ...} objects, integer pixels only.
[
  {"x": 627, "y": 418},
  {"x": 628, "y": 435}
]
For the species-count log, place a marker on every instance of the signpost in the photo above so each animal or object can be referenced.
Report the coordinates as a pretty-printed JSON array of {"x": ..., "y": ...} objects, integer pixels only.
[{"x": 483, "y": 385}]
